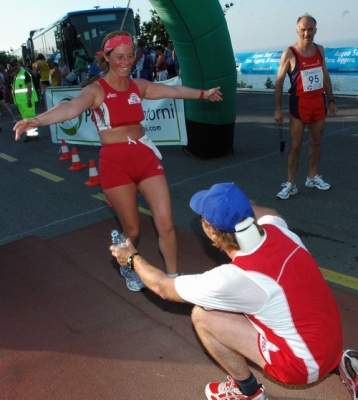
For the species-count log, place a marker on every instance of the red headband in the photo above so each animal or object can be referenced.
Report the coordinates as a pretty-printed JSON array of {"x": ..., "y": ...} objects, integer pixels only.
[{"x": 114, "y": 42}]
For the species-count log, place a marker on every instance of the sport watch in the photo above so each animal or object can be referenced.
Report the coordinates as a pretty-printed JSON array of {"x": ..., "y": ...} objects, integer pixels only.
[{"x": 130, "y": 260}]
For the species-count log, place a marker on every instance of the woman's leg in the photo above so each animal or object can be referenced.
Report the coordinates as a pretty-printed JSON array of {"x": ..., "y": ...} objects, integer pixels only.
[
  {"x": 124, "y": 201},
  {"x": 156, "y": 193}
]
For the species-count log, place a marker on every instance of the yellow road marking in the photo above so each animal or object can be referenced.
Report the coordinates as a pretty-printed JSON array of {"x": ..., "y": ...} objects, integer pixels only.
[
  {"x": 47, "y": 175},
  {"x": 99, "y": 196},
  {"x": 145, "y": 211},
  {"x": 330, "y": 276},
  {"x": 340, "y": 279},
  {"x": 7, "y": 158}
]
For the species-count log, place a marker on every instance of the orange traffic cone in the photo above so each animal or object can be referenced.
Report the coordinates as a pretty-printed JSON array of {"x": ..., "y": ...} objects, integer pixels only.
[
  {"x": 66, "y": 155},
  {"x": 93, "y": 175},
  {"x": 76, "y": 163}
]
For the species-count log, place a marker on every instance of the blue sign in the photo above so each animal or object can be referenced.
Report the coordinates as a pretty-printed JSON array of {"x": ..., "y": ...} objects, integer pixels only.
[
  {"x": 258, "y": 63},
  {"x": 343, "y": 60}
]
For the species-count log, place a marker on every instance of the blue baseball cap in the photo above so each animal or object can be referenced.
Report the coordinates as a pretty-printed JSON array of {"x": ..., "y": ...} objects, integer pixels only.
[{"x": 223, "y": 206}]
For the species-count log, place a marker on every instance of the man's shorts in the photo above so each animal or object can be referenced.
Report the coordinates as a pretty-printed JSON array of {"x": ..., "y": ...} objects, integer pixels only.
[
  {"x": 308, "y": 109},
  {"x": 290, "y": 369},
  {"x": 127, "y": 162}
]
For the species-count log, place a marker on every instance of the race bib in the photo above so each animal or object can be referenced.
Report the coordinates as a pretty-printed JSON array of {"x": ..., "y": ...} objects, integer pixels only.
[{"x": 312, "y": 79}]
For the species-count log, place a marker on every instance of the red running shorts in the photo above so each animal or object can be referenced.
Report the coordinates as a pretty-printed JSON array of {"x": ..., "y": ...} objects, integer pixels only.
[
  {"x": 127, "y": 162},
  {"x": 308, "y": 109}
]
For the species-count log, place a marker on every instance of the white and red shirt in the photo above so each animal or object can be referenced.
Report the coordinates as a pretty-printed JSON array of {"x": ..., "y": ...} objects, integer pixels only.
[{"x": 280, "y": 289}]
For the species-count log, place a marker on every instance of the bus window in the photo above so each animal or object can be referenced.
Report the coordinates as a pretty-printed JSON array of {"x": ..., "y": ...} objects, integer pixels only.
[{"x": 83, "y": 31}]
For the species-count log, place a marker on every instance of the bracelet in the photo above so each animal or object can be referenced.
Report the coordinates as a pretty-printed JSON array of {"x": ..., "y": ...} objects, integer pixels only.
[
  {"x": 130, "y": 260},
  {"x": 201, "y": 94},
  {"x": 332, "y": 101}
]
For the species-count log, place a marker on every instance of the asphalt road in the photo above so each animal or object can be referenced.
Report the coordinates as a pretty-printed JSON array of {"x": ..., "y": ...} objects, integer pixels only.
[{"x": 40, "y": 196}]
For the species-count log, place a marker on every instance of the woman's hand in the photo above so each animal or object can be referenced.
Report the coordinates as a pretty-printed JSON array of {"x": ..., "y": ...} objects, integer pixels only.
[
  {"x": 25, "y": 125},
  {"x": 213, "y": 94}
]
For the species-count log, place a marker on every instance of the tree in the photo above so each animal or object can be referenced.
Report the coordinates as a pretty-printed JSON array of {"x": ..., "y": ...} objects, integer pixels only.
[
  {"x": 269, "y": 83},
  {"x": 4, "y": 58},
  {"x": 154, "y": 30}
]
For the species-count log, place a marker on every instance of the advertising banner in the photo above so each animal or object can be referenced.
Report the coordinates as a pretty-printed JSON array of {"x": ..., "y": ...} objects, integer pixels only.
[
  {"x": 343, "y": 60},
  {"x": 164, "y": 120},
  {"x": 259, "y": 63}
]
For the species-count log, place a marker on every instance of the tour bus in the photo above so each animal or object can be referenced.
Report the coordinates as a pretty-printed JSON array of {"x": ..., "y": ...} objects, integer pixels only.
[
  {"x": 20, "y": 53},
  {"x": 80, "y": 30}
]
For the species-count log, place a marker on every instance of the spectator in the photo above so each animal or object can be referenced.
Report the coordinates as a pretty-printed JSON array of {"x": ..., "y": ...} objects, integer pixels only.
[
  {"x": 170, "y": 61},
  {"x": 25, "y": 97},
  {"x": 64, "y": 70},
  {"x": 143, "y": 63},
  {"x": 55, "y": 73},
  {"x": 3, "y": 104},
  {"x": 43, "y": 72},
  {"x": 34, "y": 66},
  {"x": 154, "y": 56},
  {"x": 161, "y": 64},
  {"x": 6, "y": 84},
  {"x": 80, "y": 67},
  {"x": 152, "y": 52}
]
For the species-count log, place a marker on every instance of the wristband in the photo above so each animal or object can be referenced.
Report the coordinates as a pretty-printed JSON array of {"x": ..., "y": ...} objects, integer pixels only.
[
  {"x": 130, "y": 260},
  {"x": 201, "y": 94}
]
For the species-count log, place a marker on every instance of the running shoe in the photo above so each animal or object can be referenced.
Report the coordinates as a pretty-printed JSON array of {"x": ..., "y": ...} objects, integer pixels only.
[
  {"x": 133, "y": 281},
  {"x": 317, "y": 182},
  {"x": 230, "y": 391},
  {"x": 287, "y": 191},
  {"x": 348, "y": 370}
]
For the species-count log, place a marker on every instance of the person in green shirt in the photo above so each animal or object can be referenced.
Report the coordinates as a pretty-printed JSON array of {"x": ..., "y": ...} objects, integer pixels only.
[{"x": 80, "y": 67}]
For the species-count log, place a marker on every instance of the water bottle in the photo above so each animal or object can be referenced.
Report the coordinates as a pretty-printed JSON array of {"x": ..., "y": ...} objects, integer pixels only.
[{"x": 118, "y": 239}]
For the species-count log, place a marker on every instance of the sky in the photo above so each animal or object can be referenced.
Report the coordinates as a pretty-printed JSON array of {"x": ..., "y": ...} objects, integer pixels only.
[{"x": 254, "y": 25}]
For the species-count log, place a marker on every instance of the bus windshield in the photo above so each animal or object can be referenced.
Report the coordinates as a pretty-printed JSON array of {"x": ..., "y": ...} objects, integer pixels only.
[
  {"x": 80, "y": 30},
  {"x": 90, "y": 29}
]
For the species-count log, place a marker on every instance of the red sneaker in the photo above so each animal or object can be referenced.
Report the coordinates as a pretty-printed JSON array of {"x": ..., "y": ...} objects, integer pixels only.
[
  {"x": 348, "y": 369},
  {"x": 230, "y": 391}
]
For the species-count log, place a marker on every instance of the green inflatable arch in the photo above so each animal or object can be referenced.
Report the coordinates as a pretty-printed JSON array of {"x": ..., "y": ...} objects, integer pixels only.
[{"x": 201, "y": 39}]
